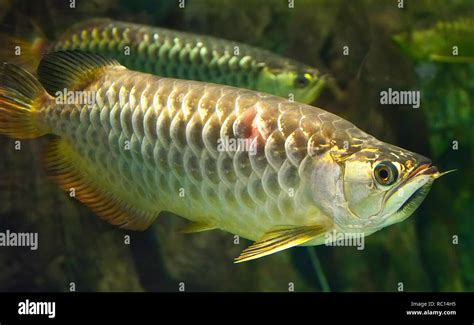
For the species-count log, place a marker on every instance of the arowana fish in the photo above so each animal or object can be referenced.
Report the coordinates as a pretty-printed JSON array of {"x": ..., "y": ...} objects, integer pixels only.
[
  {"x": 278, "y": 172},
  {"x": 170, "y": 53}
]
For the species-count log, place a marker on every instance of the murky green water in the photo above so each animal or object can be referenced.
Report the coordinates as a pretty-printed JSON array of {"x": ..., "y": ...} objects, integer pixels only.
[{"x": 431, "y": 251}]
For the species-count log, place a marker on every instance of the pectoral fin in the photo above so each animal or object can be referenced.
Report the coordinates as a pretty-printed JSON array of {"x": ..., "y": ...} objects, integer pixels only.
[
  {"x": 193, "y": 227},
  {"x": 279, "y": 239}
]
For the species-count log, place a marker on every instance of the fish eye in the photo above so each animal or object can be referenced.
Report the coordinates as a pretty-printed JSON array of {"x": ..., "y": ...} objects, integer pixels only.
[
  {"x": 302, "y": 80},
  {"x": 385, "y": 173}
]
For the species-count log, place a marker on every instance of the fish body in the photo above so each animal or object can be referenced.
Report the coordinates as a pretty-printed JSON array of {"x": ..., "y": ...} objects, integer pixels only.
[
  {"x": 256, "y": 165},
  {"x": 182, "y": 55}
]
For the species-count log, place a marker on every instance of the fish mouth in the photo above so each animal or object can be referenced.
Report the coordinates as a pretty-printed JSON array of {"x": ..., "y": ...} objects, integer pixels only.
[
  {"x": 424, "y": 169},
  {"x": 319, "y": 83},
  {"x": 415, "y": 199}
]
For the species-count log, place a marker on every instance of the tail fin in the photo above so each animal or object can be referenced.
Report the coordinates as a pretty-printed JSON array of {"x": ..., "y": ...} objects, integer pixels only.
[
  {"x": 24, "y": 51},
  {"x": 18, "y": 93}
]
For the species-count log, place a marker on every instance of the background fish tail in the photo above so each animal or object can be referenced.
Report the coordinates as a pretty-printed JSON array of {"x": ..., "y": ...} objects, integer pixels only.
[
  {"x": 19, "y": 91},
  {"x": 25, "y": 51}
]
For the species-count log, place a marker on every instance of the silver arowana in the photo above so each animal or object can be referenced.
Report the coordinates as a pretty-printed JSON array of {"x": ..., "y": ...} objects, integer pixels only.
[{"x": 150, "y": 144}]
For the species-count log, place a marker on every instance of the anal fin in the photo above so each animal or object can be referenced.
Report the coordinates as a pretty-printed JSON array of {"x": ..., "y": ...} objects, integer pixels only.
[
  {"x": 278, "y": 239},
  {"x": 63, "y": 167}
]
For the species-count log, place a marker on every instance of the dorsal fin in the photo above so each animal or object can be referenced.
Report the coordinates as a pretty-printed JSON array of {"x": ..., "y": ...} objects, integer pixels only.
[{"x": 71, "y": 69}]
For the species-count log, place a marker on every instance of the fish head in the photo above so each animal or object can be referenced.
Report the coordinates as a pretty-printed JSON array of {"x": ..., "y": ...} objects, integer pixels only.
[
  {"x": 382, "y": 184},
  {"x": 301, "y": 84}
]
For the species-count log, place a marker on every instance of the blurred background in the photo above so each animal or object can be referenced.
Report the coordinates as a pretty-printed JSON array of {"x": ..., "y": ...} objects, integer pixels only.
[{"x": 431, "y": 251}]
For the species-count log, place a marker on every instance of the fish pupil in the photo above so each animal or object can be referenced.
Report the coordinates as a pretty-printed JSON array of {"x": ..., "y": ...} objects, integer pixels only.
[
  {"x": 383, "y": 173},
  {"x": 301, "y": 80}
]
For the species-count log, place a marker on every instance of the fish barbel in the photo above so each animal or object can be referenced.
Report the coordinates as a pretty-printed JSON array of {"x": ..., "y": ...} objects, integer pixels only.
[
  {"x": 256, "y": 165},
  {"x": 175, "y": 54}
]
